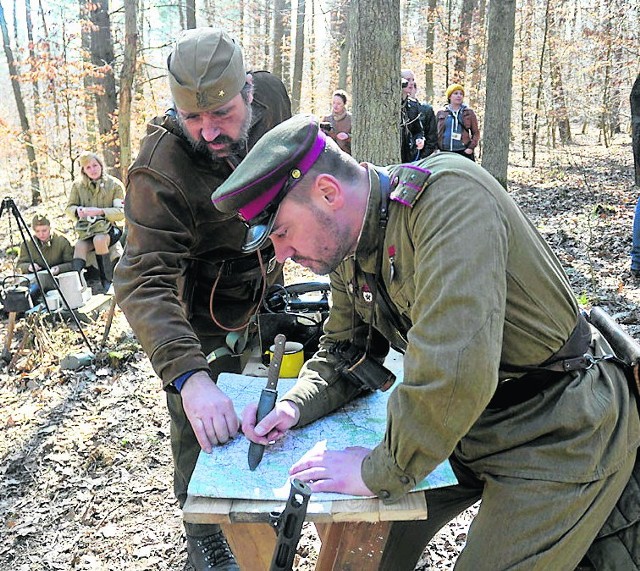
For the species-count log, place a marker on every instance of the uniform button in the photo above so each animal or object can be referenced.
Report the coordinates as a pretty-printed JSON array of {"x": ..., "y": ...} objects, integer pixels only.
[
  {"x": 384, "y": 494},
  {"x": 404, "y": 479}
]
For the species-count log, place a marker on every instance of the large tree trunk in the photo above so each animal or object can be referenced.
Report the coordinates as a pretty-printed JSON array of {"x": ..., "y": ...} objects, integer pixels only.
[
  {"x": 429, "y": 91},
  {"x": 376, "y": 88},
  {"x": 560, "y": 114},
  {"x": 87, "y": 77},
  {"x": 497, "y": 114},
  {"x": 190, "y": 9},
  {"x": 32, "y": 57},
  {"x": 126, "y": 84},
  {"x": 635, "y": 126},
  {"x": 298, "y": 58},
  {"x": 102, "y": 59},
  {"x": 462, "y": 50},
  {"x": 278, "y": 39},
  {"x": 22, "y": 113}
]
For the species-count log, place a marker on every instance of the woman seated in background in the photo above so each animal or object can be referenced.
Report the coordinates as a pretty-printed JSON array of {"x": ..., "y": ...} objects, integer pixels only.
[{"x": 96, "y": 203}]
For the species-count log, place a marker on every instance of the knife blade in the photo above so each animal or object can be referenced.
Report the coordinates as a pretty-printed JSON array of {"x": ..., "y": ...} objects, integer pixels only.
[{"x": 268, "y": 397}]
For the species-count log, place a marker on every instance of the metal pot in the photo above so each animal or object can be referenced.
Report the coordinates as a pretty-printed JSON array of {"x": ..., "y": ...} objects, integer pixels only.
[{"x": 15, "y": 295}]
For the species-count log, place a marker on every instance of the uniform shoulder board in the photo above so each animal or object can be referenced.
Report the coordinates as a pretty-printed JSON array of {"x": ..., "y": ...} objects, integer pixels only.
[{"x": 407, "y": 184}]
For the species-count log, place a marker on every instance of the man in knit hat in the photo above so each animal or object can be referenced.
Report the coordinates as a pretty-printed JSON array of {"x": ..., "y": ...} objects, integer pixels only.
[
  {"x": 183, "y": 283},
  {"x": 502, "y": 373}
]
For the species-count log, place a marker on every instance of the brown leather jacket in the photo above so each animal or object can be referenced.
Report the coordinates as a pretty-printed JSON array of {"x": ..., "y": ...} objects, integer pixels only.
[
  {"x": 470, "y": 131},
  {"x": 178, "y": 243}
]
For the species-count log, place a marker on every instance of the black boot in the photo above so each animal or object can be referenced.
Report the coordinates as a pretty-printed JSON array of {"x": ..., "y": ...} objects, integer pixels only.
[
  {"x": 78, "y": 264},
  {"x": 106, "y": 270},
  {"x": 210, "y": 552}
]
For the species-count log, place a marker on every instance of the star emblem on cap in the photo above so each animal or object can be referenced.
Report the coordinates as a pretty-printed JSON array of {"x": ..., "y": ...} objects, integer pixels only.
[{"x": 221, "y": 93}]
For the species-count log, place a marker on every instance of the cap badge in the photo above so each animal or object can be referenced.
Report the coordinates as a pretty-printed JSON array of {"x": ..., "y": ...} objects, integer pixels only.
[
  {"x": 221, "y": 93},
  {"x": 295, "y": 173}
]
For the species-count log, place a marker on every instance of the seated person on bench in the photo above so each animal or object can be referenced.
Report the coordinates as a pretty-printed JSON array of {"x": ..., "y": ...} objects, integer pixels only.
[
  {"x": 96, "y": 204},
  {"x": 56, "y": 251}
]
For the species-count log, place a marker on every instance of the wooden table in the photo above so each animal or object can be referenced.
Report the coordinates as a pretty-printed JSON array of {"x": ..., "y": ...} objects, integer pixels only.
[{"x": 353, "y": 532}]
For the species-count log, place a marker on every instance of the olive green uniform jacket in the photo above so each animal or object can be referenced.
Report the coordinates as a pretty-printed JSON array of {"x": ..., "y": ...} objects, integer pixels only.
[
  {"x": 481, "y": 290},
  {"x": 57, "y": 251},
  {"x": 177, "y": 242},
  {"x": 99, "y": 194}
]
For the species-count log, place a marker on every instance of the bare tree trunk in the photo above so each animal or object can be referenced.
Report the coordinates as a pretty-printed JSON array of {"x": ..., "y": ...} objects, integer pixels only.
[
  {"x": 497, "y": 114},
  {"x": 32, "y": 57},
  {"x": 479, "y": 51},
  {"x": 536, "y": 113},
  {"x": 126, "y": 84},
  {"x": 47, "y": 57},
  {"x": 102, "y": 59},
  {"x": 87, "y": 77},
  {"x": 376, "y": 90},
  {"x": 560, "y": 114},
  {"x": 24, "y": 121},
  {"x": 343, "y": 32},
  {"x": 429, "y": 91},
  {"x": 634, "y": 99},
  {"x": 526, "y": 17},
  {"x": 298, "y": 57},
  {"x": 466, "y": 16},
  {"x": 278, "y": 38},
  {"x": 190, "y": 10}
]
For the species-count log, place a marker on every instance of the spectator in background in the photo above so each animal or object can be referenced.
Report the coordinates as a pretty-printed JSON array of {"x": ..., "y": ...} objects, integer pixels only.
[
  {"x": 427, "y": 118},
  {"x": 338, "y": 124},
  {"x": 55, "y": 248},
  {"x": 412, "y": 141},
  {"x": 458, "y": 130},
  {"x": 96, "y": 203}
]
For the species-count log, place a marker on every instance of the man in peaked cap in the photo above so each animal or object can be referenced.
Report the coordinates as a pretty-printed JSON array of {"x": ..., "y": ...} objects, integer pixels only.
[
  {"x": 184, "y": 284},
  {"x": 503, "y": 375}
]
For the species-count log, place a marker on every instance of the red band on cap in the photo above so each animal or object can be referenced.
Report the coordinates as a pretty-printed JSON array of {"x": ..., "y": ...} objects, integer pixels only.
[{"x": 256, "y": 206}]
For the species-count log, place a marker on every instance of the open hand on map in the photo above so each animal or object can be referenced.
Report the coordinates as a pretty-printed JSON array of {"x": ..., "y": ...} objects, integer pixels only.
[{"x": 333, "y": 470}]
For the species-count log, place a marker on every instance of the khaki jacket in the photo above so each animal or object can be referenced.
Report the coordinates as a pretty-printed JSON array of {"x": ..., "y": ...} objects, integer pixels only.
[
  {"x": 177, "y": 242},
  {"x": 57, "y": 251},
  {"x": 99, "y": 194},
  {"x": 481, "y": 290}
]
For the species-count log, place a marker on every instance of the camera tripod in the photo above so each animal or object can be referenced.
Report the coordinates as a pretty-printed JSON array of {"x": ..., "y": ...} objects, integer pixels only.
[{"x": 10, "y": 207}]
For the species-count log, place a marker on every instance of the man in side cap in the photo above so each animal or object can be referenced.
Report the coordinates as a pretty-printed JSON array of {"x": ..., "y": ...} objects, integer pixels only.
[
  {"x": 502, "y": 374},
  {"x": 183, "y": 283}
]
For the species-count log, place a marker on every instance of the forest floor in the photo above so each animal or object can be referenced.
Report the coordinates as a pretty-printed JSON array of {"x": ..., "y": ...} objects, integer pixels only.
[{"x": 84, "y": 455}]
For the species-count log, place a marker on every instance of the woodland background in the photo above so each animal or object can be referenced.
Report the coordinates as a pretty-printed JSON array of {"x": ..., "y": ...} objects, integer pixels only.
[
  {"x": 85, "y": 469},
  {"x": 80, "y": 75}
]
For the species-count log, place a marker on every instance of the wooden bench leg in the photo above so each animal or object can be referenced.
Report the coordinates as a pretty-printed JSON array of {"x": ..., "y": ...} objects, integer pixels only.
[
  {"x": 352, "y": 546},
  {"x": 251, "y": 543}
]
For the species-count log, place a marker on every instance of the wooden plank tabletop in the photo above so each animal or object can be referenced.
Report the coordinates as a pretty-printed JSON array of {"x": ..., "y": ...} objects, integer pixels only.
[{"x": 199, "y": 509}]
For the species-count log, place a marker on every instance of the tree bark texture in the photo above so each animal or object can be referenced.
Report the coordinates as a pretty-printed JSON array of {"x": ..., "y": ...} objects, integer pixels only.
[
  {"x": 126, "y": 84},
  {"x": 102, "y": 60},
  {"x": 635, "y": 127},
  {"x": 22, "y": 112},
  {"x": 298, "y": 58},
  {"x": 462, "y": 50},
  {"x": 497, "y": 113},
  {"x": 376, "y": 86},
  {"x": 429, "y": 91},
  {"x": 190, "y": 11}
]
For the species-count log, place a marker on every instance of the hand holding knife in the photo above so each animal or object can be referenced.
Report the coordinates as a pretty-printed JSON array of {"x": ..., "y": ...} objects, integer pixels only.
[{"x": 268, "y": 397}]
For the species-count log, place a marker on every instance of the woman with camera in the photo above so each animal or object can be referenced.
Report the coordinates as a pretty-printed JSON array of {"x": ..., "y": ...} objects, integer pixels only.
[{"x": 338, "y": 124}]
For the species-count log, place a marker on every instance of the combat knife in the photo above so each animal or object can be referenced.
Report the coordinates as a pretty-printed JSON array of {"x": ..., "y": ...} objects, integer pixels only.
[{"x": 268, "y": 397}]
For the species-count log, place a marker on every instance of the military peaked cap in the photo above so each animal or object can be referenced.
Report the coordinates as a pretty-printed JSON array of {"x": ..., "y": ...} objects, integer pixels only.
[{"x": 270, "y": 170}]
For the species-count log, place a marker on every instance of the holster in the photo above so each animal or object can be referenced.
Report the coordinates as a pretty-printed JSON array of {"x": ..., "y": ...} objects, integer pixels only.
[{"x": 625, "y": 347}]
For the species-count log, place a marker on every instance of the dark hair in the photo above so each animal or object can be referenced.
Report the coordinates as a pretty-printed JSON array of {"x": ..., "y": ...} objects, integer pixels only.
[{"x": 341, "y": 94}]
